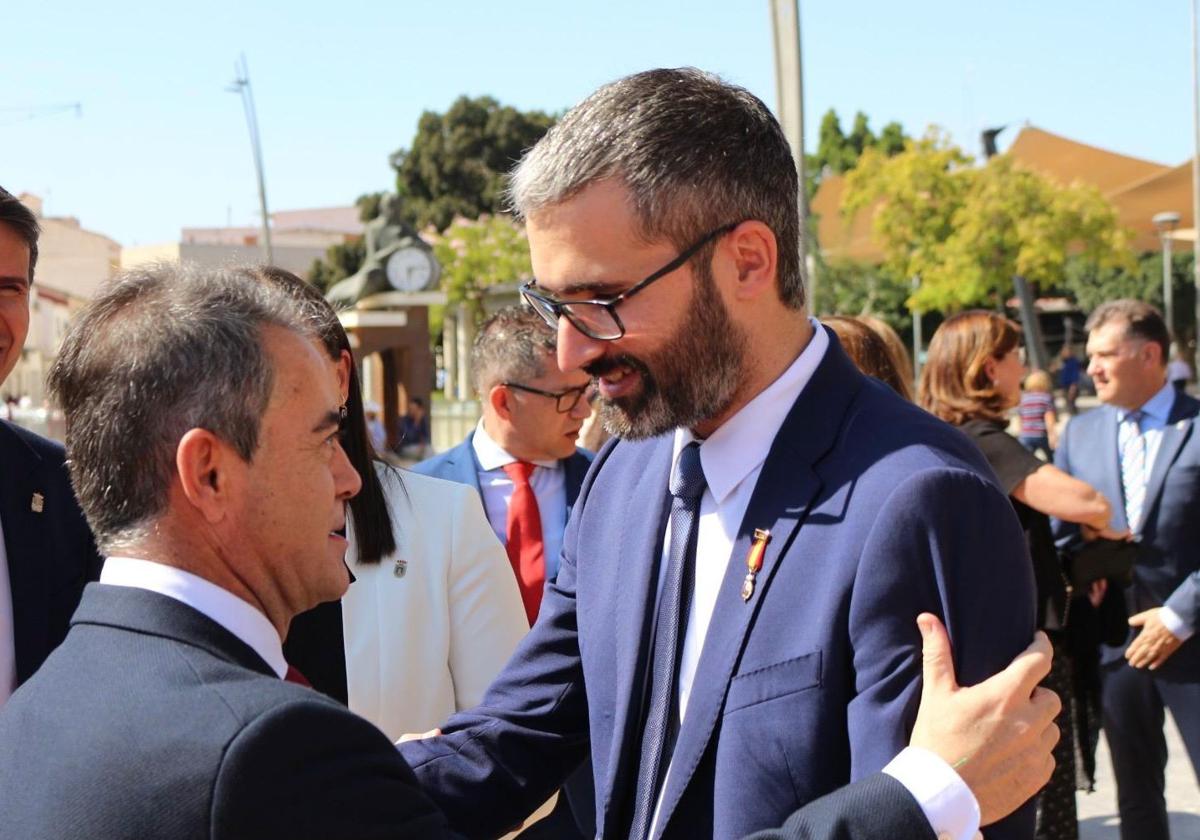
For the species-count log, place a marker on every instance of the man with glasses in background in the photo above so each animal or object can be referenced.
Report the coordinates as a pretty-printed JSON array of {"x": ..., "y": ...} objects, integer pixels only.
[
  {"x": 522, "y": 459},
  {"x": 732, "y": 626}
]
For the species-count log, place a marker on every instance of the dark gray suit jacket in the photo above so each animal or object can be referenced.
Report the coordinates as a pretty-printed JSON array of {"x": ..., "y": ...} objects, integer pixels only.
[{"x": 151, "y": 720}]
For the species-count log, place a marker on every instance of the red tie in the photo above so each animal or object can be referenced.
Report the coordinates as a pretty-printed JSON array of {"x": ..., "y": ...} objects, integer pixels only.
[
  {"x": 524, "y": 528},
  {"x": 294, "y": 676}
]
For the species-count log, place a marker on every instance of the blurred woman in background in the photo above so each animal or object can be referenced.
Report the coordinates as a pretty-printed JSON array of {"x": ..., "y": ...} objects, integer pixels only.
[{"x": 972, "y": 377}]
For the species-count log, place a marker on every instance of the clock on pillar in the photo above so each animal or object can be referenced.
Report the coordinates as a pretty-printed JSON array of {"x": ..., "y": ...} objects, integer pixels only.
[{"x": 412, "y": 268}]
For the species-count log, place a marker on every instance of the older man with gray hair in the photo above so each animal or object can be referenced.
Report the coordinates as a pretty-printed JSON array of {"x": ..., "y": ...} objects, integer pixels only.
[{"x": 203, "y": 435}]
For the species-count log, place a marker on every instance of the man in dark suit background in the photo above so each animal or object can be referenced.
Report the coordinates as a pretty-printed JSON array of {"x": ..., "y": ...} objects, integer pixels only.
[
  {"x": 1142, "y": 447},
  {"x": 47, "y": 554},
  {"x": 522, "y": 460},
  {"x": 203, "y": 432},
  {"x": 730, "y": 629}
]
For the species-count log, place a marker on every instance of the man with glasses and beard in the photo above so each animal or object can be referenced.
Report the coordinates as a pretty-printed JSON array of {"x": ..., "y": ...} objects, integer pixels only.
[{"x": 731, "y": 628}]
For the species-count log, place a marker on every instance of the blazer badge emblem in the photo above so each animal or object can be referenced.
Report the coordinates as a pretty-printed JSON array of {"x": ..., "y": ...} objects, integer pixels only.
[{"x": 37, "y": 503}]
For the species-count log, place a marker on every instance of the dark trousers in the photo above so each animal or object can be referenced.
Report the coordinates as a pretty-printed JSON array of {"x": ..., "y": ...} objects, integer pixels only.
[{"x": 1133, "y": 700}]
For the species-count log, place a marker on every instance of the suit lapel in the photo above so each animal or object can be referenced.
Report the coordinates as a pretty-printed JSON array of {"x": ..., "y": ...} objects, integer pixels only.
[
  {"x": 787, "y": 486},
  {"x": 465, "y": 465},
  {"x": 1174, "y": 435},
  {"x": 26, "y": 543},
  {"x": 1113, "y": 487},
  {"x": 643, "y": 523}
]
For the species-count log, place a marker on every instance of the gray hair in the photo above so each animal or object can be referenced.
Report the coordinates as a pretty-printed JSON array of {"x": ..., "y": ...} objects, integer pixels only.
[
  {"x": 162, "y": 349},
  {"x": 695, "y": 152},
  {"x": 511, "y": 346}
]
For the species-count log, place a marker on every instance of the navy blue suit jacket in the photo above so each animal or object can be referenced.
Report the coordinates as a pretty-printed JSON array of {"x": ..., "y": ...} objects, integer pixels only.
[
  {"x": 878, "y": 511},
  {"x": 50, "y": 551},
  {"x": 160, "y": 723},
  {"x": 1167, "y": 570}
]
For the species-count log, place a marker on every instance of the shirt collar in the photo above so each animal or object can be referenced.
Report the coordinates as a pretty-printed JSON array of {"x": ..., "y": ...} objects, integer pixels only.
[
  {"x": 1157, "y": 407},
  {"x": 231, "y": 612},
  {"x": 742, "y": 442},
  {"x": 493, "y": 456}
]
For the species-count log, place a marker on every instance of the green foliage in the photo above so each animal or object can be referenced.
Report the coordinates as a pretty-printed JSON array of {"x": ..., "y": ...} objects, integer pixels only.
[
  {"x": 838, "y": 152},
  {"x": 368, "y": 205},
  {"x": 490, "y": 251},
  {"x": 458, "y": 162},
  {"x": 1091, "y": 286},
  {"x": 847, "y": 287},
  {"x": 340, "y": 262},
  {"x": 967, "y": 230}
]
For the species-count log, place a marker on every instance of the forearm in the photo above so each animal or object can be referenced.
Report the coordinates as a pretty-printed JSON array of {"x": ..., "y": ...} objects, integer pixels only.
[{"x": 1054, "y": 493}]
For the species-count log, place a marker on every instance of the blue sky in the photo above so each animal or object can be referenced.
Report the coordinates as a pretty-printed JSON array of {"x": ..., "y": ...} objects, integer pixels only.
[{"x": 160, "y": 145}]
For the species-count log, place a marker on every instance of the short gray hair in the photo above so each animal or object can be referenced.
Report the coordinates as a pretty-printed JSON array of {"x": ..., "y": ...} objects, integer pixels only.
[
  {"x": 696, "y": 153},
  {"x": 162, "y": 349},
  {"x": 511, "y": 346}
]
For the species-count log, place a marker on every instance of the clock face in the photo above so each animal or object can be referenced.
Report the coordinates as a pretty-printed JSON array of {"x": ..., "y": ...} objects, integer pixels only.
[{"x": 410, "y": 269}]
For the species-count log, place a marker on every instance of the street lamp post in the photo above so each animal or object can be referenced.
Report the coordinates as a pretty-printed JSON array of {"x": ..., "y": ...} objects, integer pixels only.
[
  {"x": 1165, "y": 223},
  {"x": 241, "y": 86}
]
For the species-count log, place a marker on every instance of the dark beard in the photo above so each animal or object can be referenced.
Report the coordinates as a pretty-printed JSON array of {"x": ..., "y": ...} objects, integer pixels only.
[{"x": 696, "y": 374}]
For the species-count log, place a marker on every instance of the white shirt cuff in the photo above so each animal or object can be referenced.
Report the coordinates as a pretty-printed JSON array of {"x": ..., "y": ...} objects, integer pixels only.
[
  {"x": 944, "y": 797},
  {"x": 1175, "y": 624}
]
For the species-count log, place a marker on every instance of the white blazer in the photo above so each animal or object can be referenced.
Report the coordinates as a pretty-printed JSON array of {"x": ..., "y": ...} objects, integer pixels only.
[{"x": 429, "y": 627}]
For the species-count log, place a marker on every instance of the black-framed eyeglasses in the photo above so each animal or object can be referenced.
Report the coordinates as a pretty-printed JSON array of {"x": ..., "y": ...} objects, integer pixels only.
[
  {"x": 598, "y": 319},
  {"x": 565, "y": 400}
]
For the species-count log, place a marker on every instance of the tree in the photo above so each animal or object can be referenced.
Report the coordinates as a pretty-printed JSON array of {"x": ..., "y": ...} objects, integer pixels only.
[
  {"x": 458, "y": 162},
  {"x": 838, "y": 152},
  {"x": 967, "y": 230},
  {"x": 489, "y": 251}
]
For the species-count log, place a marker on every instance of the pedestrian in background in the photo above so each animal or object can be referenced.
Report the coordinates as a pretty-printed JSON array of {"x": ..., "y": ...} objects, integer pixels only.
[{"x": 1039, "y": 420}]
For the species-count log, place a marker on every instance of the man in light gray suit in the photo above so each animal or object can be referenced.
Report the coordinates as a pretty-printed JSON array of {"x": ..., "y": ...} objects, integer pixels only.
[{"x": 1142, "y": 447}]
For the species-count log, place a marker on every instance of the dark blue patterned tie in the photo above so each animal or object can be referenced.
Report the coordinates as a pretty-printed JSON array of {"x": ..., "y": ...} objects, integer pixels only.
[{"x": 662, "y": 707}]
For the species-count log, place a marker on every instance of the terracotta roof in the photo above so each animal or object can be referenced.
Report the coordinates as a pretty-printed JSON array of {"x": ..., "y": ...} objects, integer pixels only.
[{"x": 1067, "y": 161}]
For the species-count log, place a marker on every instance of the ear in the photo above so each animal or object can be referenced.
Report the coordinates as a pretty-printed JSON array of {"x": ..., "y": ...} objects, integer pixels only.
[
  {"x": 344, "y": 364},
  {"x": 498, "y": 398},
  {"x": 203, "y": 464},
  {"x": 754, "y": 252},
  {"x": 989, "y": 369}
]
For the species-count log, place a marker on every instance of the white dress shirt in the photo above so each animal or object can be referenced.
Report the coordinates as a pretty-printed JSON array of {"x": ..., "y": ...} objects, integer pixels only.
[
  {"x": 222, "y": 606},
  {"x": 8, "y": 641},
  {"x": 549, "y": 485},
  {"x": 1155, "y": 413},
  {"x": 732, "y": 458}
]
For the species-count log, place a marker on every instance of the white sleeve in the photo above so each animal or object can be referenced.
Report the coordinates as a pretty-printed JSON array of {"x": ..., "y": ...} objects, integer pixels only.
[
  {"x": 944, "y": 797},
  {"x": 1175, "y": 624},
  {"x": 487, "y": 617}
]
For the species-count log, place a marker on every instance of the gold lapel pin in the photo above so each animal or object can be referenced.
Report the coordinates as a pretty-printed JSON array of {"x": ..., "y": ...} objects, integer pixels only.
[
  {"x": 37, "y": 503},
  {"x": 754, "y": 561}
]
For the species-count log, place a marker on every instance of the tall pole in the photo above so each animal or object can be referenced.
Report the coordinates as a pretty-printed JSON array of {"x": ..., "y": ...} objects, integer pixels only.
[
  {"x": 1196, "y": 175},
  {"x": 241, "y": 84},
  {"x": 1168, "y": 292},
  {"x": 789, "y": 91}
]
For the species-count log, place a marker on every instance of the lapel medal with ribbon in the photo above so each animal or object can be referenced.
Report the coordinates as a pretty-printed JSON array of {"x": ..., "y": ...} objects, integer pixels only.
[{"x": 754, "y": 561}]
